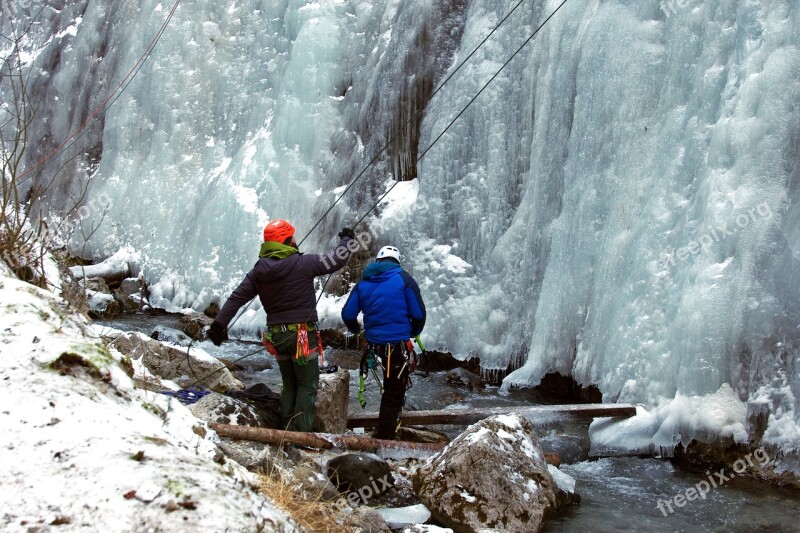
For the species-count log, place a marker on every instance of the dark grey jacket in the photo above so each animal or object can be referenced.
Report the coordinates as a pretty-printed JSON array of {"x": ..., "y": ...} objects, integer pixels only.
[{"x": 285, "y": 286}]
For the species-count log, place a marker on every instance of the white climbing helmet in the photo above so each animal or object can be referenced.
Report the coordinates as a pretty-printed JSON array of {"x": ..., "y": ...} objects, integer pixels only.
[{"x": 389, "y": 251}]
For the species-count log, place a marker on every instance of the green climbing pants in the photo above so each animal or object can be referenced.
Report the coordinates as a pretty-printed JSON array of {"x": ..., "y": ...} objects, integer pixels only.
[{"x": 300, "y": 382}]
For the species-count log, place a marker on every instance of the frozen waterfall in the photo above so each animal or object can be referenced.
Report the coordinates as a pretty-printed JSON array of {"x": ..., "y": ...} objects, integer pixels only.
[{"x": 620, "y": 204}]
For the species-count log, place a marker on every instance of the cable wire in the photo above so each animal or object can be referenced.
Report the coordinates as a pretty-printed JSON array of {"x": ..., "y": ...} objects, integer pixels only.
[
  {"x": 107, "y": 103},
  {"x": 413, "y": 117}
]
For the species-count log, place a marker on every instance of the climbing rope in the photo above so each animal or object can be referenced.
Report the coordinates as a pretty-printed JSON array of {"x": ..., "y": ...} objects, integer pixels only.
[
  {"x": 403, "y": 126},
  {"x": 81, "y": 130},
  {"x": 438, "y": 137}
]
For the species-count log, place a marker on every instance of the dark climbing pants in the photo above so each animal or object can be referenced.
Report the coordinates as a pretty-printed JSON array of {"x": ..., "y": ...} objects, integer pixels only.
[
  {"x": 300, "y": 382},
  {"x": 394, "y": 389}
]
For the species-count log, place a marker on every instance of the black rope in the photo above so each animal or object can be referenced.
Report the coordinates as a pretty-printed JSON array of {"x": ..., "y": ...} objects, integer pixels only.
[
  {"x": 223, "y": 367},
  {"x": 402, "y": 128},
  {"x": 94, "y": 116},
  {"x": 438, "y": 137},
  {"x": 384, "y": 195}
]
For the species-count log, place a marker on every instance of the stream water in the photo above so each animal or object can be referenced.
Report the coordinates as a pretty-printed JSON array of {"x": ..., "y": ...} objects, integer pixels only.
[{"x": 618, "y": 494}]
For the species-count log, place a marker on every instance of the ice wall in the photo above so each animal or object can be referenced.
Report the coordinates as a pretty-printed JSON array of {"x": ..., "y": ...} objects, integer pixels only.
[
  {"x": 626, "y": 196},
  {"x": 619, "y": 205}
]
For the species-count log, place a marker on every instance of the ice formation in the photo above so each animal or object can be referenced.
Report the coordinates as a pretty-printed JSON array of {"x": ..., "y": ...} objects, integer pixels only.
[{"x": 620, "y": 204}]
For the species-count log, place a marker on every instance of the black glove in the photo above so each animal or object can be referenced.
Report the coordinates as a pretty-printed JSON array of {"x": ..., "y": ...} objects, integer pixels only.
[
  {"x": 216, "y": 333},
  {"x": 347, "y": 232}
]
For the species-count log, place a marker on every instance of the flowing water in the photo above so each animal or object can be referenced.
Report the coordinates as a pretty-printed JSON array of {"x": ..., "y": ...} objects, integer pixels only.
[{"x": 618, "y": 494}]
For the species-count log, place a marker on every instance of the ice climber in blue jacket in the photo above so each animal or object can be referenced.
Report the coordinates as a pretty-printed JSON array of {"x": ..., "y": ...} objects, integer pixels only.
[{"x": 393, "y": 313}]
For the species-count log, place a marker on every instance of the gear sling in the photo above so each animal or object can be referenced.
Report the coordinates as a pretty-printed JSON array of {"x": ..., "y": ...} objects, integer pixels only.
[{"x": 396, "y": 362}]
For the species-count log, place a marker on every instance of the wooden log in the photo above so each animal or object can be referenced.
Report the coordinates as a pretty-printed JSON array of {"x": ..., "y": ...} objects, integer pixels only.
[
  {"x": 470, "y": 416},
  {"x": 323, "y": 441},
  {"x": 327, "y": 441}
]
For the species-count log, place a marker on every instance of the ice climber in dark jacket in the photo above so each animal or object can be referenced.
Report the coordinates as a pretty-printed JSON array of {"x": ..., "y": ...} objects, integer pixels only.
[
  {"x": 283, "y": 279},
  {"x": 393, "y": 313}
]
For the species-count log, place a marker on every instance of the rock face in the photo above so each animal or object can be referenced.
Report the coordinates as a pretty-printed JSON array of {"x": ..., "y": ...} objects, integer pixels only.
[
  {"x": 176, "y": 364},
  {"x": 332, "y": 400},
  {"x": 493, "y": 475}
]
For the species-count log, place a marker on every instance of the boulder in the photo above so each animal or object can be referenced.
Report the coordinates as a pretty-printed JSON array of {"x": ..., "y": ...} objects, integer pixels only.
[
  {"x": 221, "y": 409},
  {"x": 131, "y": 294},
  {"x": 195, "y": 325},
  {"x": 366, "y": 520},
  {"x": 364, "y": 474},
  {"x": 184, "y": 366},
  {"x": 102, "y": 305},
  {"x": 510, "y": 490},
  {"x": 172, "y": 336},
  {"x": 313, "y": 483},
  {"x": 332, "y": 401},
  {"x": 464, "y": 378},
  {"x": 564, "y": 487},
  {"x": 256, "y": 457}
]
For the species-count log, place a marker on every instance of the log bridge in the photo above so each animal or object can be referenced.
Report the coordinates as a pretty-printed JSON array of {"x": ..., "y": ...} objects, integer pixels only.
[
  {"x": 456, "y": 417},
  {"x": 537, "y": 413}
]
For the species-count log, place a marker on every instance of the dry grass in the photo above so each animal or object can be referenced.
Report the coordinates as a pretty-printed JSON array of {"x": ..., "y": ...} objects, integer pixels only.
[{"x": 311, "y": 512}]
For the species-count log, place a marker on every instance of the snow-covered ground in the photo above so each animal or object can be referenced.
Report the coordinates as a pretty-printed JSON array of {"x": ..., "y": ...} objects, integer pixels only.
[{"x": 84, "y": 449}]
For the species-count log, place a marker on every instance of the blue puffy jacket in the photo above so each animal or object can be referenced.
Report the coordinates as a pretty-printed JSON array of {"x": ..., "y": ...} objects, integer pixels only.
[{"x": 391, "y": 302}]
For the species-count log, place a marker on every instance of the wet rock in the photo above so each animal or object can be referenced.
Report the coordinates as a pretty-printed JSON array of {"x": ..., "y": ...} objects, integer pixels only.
[
  {"x": 195, "y": 325},
  {"x": 564, "y": 488},
  {"x": 419, "y": 434},
  {"x": 365, "y": 474},
  {"x": 184, "y": 366},
  {"x": 332, "y": 401},
  {"x": 220, "y": 409},
  {"x": 512, "y": 490},
  {"x": 464, "y": 378},
  {"x": 172, "y": 336}
]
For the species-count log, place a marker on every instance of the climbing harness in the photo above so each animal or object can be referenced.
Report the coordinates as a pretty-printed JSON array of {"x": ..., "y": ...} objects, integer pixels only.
[{"x": 371, "y": 360}]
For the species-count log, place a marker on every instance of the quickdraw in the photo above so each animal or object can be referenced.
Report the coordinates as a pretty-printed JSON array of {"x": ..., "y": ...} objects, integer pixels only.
[
  {"x": 266, "y": 340},
  {"x": 303, "y": 349}
]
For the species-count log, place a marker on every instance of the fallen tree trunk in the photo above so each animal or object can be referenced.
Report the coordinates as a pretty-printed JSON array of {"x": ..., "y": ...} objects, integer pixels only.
[
  {"x": 323, "y": 441},
  {"x": 327, "y": 441},
  {"x": 537, "y": 413}
]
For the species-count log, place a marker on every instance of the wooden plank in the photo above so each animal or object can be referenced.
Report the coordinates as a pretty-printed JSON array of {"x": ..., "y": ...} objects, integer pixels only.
[{"x": 470, "y": 416}]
